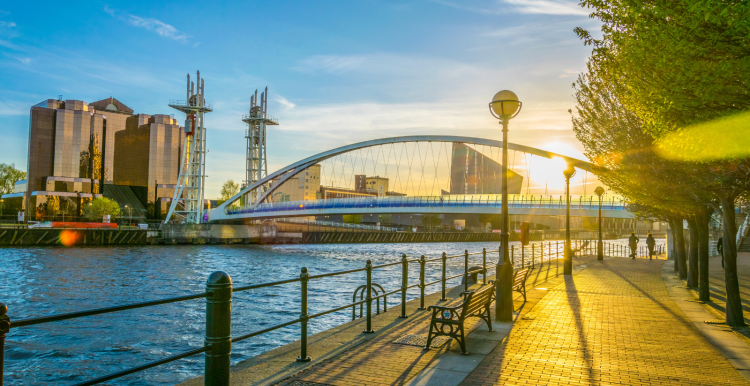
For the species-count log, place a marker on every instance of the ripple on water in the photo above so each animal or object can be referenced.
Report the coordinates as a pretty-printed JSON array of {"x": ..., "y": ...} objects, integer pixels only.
[{"x": 43, "y": 281}]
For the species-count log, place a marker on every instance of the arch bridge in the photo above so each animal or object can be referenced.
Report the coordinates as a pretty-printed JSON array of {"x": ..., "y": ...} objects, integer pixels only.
[{"x": 350, "y": 156}]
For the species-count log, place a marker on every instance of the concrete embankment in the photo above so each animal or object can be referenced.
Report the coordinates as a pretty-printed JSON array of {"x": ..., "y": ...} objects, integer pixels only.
[{"x": 69, "y": 237}]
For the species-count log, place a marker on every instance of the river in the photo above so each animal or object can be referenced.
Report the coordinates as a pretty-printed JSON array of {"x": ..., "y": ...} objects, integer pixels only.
[{"x": 51, "y": 280}]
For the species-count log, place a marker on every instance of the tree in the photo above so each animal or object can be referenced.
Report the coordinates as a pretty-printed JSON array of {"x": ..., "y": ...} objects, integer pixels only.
[
  {"x": 431, "y": 220},
  {"x": 228, "y": 190},
  {"x": 96, "y": 209},
  {"x": 670, "y": 66},
  {"x": 8, "y": 177},
  {"x": 494, "y": 219}
]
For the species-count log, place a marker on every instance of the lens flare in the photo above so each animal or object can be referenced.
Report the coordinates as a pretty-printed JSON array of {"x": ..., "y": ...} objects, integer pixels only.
[
  {"x": 723, "y": 138},
  {"x": 69, "y": 238}
]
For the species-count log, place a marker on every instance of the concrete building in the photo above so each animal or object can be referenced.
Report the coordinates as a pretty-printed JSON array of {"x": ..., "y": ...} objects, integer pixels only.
[{"x": 302, "y": 186}]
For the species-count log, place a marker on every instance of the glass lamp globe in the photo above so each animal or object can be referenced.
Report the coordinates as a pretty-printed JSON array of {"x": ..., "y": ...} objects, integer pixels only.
[{"x": 508, "y": 106}]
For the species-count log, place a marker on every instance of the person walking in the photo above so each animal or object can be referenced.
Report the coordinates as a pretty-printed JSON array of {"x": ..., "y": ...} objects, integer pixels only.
[
  {"x": 651, "y": 243},
  {"x": 720, "y": 249},
  {"x": 633, "y": 243}
]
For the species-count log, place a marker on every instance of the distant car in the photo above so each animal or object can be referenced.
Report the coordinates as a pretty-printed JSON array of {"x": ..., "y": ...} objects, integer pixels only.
[{"x": 44, "y": 224}]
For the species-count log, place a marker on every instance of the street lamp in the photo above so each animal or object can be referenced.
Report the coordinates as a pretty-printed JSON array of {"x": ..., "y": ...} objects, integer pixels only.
[
  {"x": 600, "y": 245},
  {"x": 504, "y": 106},
  {"x": 129, "y": 219},
  {"x": 2, "y": 206},
  {"x": 570, "y": 171}
]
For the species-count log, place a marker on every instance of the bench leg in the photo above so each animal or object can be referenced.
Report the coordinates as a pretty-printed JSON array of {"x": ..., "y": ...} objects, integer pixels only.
[
  {"x": 524, "y": 291},
  {"x": 488, "y": 319},
  {"x": 430, "y": 334},
  {"x": 461, "y": 338}
]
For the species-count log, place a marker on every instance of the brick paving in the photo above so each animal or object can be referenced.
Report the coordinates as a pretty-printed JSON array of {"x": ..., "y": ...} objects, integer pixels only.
[
  {"x": 380, "y": 362},
  {"x": 717, "y": 285},
  {"x": 612, "y": 324}
]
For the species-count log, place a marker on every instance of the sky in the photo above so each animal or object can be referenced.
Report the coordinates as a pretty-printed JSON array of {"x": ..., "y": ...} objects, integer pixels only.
[{"x": 338, "y": 72}]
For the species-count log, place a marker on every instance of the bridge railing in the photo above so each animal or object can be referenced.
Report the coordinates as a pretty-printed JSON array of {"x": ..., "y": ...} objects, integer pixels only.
[{"x": 466, "y": 201}]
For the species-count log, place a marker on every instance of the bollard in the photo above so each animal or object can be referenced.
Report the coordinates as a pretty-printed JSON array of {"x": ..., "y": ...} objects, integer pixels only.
[
  {"x": 466, "y": 269},
  {"x": 368, "y": 269},
  {"x": 218, "y": 329},
  {"x": 421, "y": 282},
  {"x": 445, "y": 258},
  {"x": 304, "y": 279},
  {"x": 484, "y": 266},
  {"x": 4, "y": 329},
  {"x": 404, "y": 284}
]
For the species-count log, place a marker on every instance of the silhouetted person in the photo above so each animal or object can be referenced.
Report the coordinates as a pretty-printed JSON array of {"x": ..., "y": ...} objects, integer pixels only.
[
  {"x": 651, "y": 243},
  {"x": 633, "y": 243},
  {"x": 720, "y": 249}
]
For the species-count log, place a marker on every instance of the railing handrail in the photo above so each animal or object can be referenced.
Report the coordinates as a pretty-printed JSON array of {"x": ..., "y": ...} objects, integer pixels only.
[{"x": 214, "y": 297}]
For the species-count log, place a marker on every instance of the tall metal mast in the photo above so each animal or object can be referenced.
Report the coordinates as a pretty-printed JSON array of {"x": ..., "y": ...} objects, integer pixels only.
[
  {"x": 256, "y": 164},
  {"x": 187, "y": 202}
]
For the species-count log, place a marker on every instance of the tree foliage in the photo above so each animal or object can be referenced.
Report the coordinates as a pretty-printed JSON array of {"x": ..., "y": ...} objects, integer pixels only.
[
  {"x": 99, "y": 207},
  {"x": 8, "y": 177}
]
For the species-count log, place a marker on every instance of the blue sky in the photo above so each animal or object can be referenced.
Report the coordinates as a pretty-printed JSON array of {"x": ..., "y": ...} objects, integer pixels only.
[{"x": 339, "y": 71}]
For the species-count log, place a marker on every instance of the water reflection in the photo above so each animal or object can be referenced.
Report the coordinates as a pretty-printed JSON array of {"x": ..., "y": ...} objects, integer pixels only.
[{"x": 43, "y": 281}]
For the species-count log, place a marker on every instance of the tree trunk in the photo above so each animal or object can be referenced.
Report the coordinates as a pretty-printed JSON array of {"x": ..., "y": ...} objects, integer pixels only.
[
  {"x": 678, "y": 234},
  {"x": 702, "y": 219},
  {"x": 735, "y": 317},
  {"x": 692, "y": 278}
]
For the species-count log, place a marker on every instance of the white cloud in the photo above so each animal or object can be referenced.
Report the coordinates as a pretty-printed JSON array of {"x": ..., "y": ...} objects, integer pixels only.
[
  {"x": 570, "y": 73},
  {"x": 7, "y": 24},
  {"x": 330, "y": 63},
  {"x": 13, "y": 108},
  {"x": 284, "y": 102},
  {"x": 151, "y": 24},
  {"x": 548, "y": 7},
  {"x": 498, "y": 7}
]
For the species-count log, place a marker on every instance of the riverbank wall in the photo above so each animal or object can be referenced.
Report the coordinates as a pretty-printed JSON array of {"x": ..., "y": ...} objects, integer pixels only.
[{"x": 69, "y": 237}]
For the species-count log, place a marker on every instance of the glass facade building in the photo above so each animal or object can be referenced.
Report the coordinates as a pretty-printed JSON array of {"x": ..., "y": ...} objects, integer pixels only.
[
  {"x": 474, "y": 173},
  {"x": 73, "y": 149}
]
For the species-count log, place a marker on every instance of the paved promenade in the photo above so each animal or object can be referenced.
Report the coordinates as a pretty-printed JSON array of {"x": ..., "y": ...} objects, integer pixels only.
[{"x": 612, "y": 323}]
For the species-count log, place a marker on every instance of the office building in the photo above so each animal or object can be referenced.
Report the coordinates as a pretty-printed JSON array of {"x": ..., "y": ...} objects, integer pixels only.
[
  {"x": 474, "y": 173},
  {"x": 304, "y": 185}
]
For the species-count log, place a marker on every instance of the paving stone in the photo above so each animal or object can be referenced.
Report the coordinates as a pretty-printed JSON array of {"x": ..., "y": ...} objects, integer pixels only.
[{"x": 612, "y": 324}]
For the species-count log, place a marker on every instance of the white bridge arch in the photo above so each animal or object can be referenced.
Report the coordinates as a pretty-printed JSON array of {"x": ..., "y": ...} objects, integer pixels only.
[{"x": 260, "y": 210}]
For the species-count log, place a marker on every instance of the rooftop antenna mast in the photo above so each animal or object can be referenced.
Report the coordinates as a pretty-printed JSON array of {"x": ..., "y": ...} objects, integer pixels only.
[
  {"x": 187, "y": 201},
  {"x": 256, "y": 163}
]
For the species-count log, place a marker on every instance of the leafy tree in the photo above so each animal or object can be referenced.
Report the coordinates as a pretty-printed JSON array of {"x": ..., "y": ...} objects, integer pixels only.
[
  {"x": 667, "y": 67},
  {"x": 431, "y": 220},
  {"x": 8, "y": 177},
  {"x": 228, "y": 190},
  {"x": 99, "y": 207}
]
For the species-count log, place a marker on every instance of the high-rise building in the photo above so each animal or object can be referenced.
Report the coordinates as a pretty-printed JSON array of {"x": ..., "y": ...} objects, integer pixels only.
[
  {"x": 304, "y": 185},
  {"x": 72, "y": 151},
  {"x": 474, "y": 173}
]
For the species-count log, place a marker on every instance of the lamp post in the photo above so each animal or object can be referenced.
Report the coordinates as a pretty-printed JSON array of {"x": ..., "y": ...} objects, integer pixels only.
[
  {"x": 570, "y": 171},
  {"x": 600, "y": 245},
  {"x": 504, "y": 106},
  {"x": 2, "y": 207},
  {"x": 129, "y": 220}
]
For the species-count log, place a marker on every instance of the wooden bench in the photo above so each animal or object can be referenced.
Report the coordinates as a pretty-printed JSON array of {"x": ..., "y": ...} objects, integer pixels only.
[
  {"x": 449, "y": 321},
  {"x": 519, "y": 281}
]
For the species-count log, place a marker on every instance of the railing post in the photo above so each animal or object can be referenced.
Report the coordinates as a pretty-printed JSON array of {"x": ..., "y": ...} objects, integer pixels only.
[
  {"x": 304, "y": 279},
  {"x": 533, "y": 255},
  {"x": 541, "y": 255},
  {"x": 368, "y": 298},
  {"x": 445, "y": 259},
  {"x": 466, "y": 269},
  {"x": 404, "y": 284},
  {"x": 523, "y": 257},
  {"x": 421, "y": 282},
  {"x": 484, "y": 266},
  {"x": 218, "y": 329},
  {"x": 4, "y": 328}
]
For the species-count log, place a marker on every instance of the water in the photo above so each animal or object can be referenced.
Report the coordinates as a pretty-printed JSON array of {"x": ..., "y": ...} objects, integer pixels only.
[{"x": 43, "y": 281}]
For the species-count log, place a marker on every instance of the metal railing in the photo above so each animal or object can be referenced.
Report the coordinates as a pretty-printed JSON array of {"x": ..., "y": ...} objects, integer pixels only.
[
  {"x": 305, "y": 221},
  {"x": 219, "y": 292},
  {"x": 487, "y": 201}
]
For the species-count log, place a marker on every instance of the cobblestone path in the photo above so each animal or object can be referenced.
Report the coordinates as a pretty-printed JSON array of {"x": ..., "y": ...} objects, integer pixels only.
[{"x": 612, "y": 324}]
